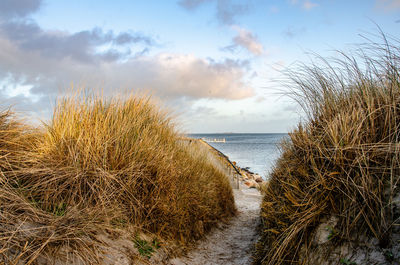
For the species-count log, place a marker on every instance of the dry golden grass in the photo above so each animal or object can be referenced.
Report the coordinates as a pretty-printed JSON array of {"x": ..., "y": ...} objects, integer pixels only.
[
  {"x": 343, "y": 161},
  {"x": 99, "y": 165}
]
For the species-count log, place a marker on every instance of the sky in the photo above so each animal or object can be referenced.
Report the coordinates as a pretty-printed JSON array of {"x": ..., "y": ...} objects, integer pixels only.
[{"x": 214, "y": 64}]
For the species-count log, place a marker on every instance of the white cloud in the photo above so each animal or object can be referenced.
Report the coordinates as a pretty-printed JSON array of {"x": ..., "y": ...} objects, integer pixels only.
[
  {"x": 48, "y": 69},
  {"x": 247, "y": 40},
  {"x": 37, "y": 64},
  {"x": 178, "y": 75}
]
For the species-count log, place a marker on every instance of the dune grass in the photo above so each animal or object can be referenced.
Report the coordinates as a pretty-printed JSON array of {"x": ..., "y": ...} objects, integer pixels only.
[
  {"x": 344, "y": 160},
  {"x": 98, "y": 165}
]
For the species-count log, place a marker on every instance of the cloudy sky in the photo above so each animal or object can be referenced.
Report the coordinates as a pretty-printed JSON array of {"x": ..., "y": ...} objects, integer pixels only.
[{"x": 212, "y": 62}]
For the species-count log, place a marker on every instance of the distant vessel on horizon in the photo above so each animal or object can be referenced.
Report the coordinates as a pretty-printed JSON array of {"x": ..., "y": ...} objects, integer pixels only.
[{"x": 214, "y": 140}]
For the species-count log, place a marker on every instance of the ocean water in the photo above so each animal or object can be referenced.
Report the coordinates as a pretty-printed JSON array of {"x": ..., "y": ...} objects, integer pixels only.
[{"x": 257, "y": 151}]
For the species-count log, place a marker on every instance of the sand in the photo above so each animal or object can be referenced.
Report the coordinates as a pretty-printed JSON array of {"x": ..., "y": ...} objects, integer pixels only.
[{"x": 231, "y": 243}]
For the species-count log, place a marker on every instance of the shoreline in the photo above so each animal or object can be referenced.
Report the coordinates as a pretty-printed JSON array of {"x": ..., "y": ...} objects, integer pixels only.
[{"x": 240, "y": 175}]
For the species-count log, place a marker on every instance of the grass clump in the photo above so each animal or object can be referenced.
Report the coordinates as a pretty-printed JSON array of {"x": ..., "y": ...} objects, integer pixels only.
[
  {"x": 102, "y": 165},
  {"x": 146, "y": 248},
  {"x": 347, "y": 262},
  {"x": 344, "y": 160}
]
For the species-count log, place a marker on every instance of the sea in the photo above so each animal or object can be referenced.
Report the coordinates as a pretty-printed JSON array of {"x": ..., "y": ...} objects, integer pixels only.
[{"x": 255, "y": 151}]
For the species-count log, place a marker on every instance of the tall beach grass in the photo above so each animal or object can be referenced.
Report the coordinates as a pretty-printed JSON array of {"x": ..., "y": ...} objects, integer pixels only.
[
  {"x": 343, "y": 161},
  {"x": 101, "y": 165}
]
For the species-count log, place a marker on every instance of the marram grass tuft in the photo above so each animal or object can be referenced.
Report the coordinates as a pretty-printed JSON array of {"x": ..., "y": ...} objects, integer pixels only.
[
  {"x": 344, "y": 160},
  {"x": 98, "y": 165}
]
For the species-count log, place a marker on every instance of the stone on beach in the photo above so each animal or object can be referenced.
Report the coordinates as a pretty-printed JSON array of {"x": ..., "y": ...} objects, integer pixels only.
[
  {"x": 259, "y": 180},
  {"x": 251, "y": 183}
]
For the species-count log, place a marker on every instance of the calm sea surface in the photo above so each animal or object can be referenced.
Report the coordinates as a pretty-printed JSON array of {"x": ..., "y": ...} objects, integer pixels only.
[{"x": 256, "y": 151}]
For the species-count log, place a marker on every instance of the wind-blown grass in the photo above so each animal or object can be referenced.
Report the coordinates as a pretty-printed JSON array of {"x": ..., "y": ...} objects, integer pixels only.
[
  {"x": 344, "y": 160},
  {"x": 101, "y": 164}
]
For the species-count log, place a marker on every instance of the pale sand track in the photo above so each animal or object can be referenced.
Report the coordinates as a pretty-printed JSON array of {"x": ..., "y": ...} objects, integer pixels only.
[{"x": 232, "y": 243}]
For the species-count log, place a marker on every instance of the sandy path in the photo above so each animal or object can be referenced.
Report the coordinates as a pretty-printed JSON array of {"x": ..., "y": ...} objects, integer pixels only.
[{"x": 232, "y": 244}]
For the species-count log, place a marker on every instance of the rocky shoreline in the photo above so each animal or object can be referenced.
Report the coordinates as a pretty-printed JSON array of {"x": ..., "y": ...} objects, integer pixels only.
[{"x": 248, "y": 178}]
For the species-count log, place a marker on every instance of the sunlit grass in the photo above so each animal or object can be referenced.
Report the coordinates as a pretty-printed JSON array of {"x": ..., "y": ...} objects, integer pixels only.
[
  {"x": 98, "y": 165},
  {"x": 343, "y": 161}
]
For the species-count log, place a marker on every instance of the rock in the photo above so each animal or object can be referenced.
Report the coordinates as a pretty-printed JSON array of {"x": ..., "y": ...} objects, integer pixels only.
[
  {"x": 251, "y": 183},
  {"x": 248, "y": 183},
  {"x": 259, "y": 180}
]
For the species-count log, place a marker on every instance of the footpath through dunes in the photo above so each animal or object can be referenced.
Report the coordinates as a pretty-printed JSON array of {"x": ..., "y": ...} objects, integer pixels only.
[{"x": 231, "y": 243}]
